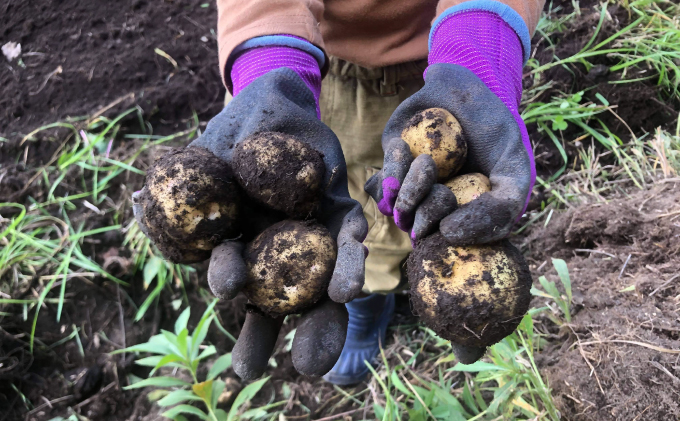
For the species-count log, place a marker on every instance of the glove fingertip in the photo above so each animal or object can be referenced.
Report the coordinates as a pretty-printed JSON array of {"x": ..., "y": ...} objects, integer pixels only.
[
  {"x": 255, "y": 344},
  {"x": 467, "y": 354},
  {"x": 454, "y": 231},
  {"x": 390, "y": 192},
  {"x": 319, "y": 339},
  {"x": 403, "y": 220},
  {"x": 482, "y": 221},
  {"x": 348, "y": 275},
  {"x": 227, "y": 272},
  {"x": 343, "y": 291}
]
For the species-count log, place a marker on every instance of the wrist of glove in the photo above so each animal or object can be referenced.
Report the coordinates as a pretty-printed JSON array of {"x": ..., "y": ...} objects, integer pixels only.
[
  {"x": 270, "y": 53},
  {"x": 475, "y": 73}
]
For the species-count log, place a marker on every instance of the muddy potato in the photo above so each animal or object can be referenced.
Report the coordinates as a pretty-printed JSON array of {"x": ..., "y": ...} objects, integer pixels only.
[
  {"x": 436, "y": 132},
  {"x": 190, "y": 204},
  {"x": 473, "y": 295},
  {"x": 468, "y": 187},
  {"x": 280, "y": 172},
  {"x": 289, "y": 265}
]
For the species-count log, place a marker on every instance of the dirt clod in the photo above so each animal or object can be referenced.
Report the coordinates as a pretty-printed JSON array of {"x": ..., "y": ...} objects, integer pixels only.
[{"x": 280, "y": 172}]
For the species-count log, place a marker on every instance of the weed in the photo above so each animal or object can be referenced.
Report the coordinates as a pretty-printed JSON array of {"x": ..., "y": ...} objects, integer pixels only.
[
  {"x": 556, "y": 115},
  {"x": 563, "y": 301},
  {"x": 184, "y": 351},
  {"x": 508, "y": 385},
  {"x": 42, "y": 243}
]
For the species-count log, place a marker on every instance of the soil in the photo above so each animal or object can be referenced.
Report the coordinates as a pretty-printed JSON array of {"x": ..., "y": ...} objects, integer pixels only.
[
  {"x": 267, "y": 161},
  {"x": 618, "y": 358},
  {"x": 642, "y": 105},
  {"x": 195, "y": 182},
  {"x": 472, "y": 319},
  {"x": 79, "y": 57}
]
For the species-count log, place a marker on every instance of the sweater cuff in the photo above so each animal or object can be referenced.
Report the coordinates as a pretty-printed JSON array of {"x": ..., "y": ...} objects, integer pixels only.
[{"x": 505, "y": 12}]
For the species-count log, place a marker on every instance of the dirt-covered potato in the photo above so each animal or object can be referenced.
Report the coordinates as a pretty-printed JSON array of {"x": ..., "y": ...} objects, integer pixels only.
[
  {"x": 436, "y": 132},
  {"x": 289, "y": 265},
  {"x": 473, "y": 295},
  {"x": 281, "y": 172},
  {"x": 190, "y": 204},
  {"x": 468, "y": 187}
]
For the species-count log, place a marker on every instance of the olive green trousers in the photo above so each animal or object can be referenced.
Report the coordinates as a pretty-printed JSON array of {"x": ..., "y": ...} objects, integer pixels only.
[{"x": 356, "y": 103}]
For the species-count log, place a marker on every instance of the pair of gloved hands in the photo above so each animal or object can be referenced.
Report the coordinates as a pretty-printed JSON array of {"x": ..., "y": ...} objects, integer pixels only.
[{"x": 284, "y": 100}]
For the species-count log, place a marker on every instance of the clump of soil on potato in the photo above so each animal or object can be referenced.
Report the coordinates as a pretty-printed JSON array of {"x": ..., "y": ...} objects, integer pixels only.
[
  {"x": 436, "y": 132},
  {"x": 191, "y": 204},
  {"x": 290, "y": 265},
  {"x": 474, "y": 295},
  {"x": 280, "y": 172}
]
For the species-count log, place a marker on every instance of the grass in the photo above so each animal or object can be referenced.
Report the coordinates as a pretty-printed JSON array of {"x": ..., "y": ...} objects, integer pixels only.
[
  {"x": 184, "y": 351},
  {"x": 431, "y": 385},
  {"x": 44, "y": 241},
  {"x": 645, "y": 49}
]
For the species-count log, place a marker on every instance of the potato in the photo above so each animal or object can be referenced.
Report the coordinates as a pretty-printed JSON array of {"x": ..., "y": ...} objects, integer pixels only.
[
  {"x": 473, "y": 295},
  {"x": 436, "y": 132},
  {"x": 468, "y": 187},
  {"x": 280, "y": 172},
  {"x": 289, "y": 266},
  {"x": 190, "y": 204}
]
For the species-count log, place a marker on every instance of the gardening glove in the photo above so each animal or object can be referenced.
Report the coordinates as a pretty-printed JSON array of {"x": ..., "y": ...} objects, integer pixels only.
[
  {"x": 475, "y": 72},
  {"x": 276, "y": 89}
]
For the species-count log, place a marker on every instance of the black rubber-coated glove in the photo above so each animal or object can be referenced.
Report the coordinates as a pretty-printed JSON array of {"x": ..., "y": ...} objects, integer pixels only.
[
  {"x": 406, "y": 188},
  {"x": 279, "y": 101}
]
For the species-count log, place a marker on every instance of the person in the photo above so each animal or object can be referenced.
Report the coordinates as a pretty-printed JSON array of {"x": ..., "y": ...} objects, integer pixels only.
[{"x": 361, "y": 69}]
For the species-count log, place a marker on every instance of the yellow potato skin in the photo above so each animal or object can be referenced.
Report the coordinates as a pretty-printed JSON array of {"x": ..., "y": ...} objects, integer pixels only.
[
  {"x": 462, "y": 273},
  {"x": 190, "y": 203},
  {"x": 171, "y": 195},
  {"x": 289, "y": 266},
  {"x": 468, "y": 187},
  {"x": 436, "y": 132}
]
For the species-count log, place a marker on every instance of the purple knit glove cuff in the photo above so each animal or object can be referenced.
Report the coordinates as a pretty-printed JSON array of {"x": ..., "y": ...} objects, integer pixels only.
[
  {"x": 485, "y": 44},
  {"x": 255, "y": 62}
]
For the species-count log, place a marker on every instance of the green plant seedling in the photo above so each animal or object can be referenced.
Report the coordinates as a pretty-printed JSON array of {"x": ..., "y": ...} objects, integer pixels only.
[{"x": 185, "y": 351}]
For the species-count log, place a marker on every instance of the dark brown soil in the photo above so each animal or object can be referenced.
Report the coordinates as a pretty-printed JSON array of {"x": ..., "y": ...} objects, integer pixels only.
[
  {"x": 642, "y": 105},
  {"x": 189, "y": 191},
  {"x": 618, "y": 358},
  {"x": 280, "y": 172},
  {"x": 465, "y": 318},
  {"x": 78, "y": 57},
  {"x": 106, "y": 53}
]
